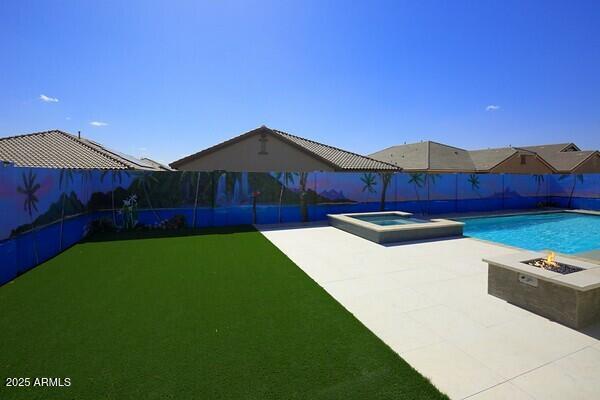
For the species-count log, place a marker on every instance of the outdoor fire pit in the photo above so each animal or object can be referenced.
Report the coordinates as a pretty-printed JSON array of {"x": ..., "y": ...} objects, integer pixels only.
[{"x": 561, "y": 288}]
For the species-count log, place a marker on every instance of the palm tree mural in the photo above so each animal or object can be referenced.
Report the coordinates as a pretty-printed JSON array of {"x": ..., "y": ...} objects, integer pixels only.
[
  {"x": 116, "y": 175},
  {"x": 386, "y": 178},
  {"x": 143, "y": 182},
  {"x": 430, "y": 179},
  {"x": 369, "y": 182},
  {"x": 576, "y": 178},
  {"x": 29, "y": 189},
  {"x": 539, "y": 179},
  {"x": 286, "y": 179},
  {"x": 417, "y": 179},
  {"x": 65, "y": 180},
  {"x": 303, "y": 180},
  {"x": 475, "y": 185}
]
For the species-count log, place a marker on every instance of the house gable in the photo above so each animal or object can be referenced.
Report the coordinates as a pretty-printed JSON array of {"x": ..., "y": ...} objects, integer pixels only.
[
  {"x": 590, "y": 165},
  {"x": 258, "y": 151},
  {"x": 522, "y": 163}
]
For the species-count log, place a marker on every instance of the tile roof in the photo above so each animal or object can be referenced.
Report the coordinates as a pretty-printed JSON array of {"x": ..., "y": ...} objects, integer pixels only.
[
  {"x": 58, "y": 149},
  {"x": 551, "y": 148},
  {"x": 563, "y": 157},
  {"x": 487, "y": 159},
  {"x": 433, "y": 156},
  {"x": 566, "y": 161},
  {"x": 338, "y": 159},
  {"x": 156, "y": 164},
  {"x": 426, "y": 155}
]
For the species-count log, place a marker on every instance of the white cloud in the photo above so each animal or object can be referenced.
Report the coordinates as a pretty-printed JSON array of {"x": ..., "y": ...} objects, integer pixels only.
[
  {"x": 492, "y": 107},
  {"x": 68, "y": 118},
  {"x": 98, "y": 123},
  {"x": 48, "y": 99}
]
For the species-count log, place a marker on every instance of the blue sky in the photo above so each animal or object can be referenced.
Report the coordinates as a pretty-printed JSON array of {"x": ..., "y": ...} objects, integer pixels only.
[{"x": 171, "y": 78}]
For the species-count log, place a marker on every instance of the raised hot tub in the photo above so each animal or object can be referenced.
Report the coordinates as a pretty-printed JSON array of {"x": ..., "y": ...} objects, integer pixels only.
[{"x": 394, "y": 226}]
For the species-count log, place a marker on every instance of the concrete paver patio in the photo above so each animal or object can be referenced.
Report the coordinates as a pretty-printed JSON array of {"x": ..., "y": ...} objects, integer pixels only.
[{"x": 428, "y": 301}]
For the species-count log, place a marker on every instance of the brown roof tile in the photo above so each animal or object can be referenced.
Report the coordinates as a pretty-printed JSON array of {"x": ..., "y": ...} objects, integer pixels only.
[{"x": 58, "y": 149}]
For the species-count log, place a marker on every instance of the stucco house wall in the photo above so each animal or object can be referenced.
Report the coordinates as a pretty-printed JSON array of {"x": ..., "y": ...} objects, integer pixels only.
[
  {"x": 513, "y": 165},
  {"x": 256, "y": 153},
  {"x": 589, "y": 166}
]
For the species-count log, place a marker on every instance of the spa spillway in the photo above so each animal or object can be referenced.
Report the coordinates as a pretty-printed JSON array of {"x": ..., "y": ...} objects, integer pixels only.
[{"x": 394, "y": 226}]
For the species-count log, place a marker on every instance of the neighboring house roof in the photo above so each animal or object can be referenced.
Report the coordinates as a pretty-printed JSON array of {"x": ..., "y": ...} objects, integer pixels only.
[
  {"x": 563, "y": 157},
  {"x": 426, "y": 155},
  {"x": 552, "y": 148},
  {"x": 156, "y": 164},
  {"x": 338, "y": 159},
  {"x": 567, "y": 161},
  {"x": 439, "y": 157},
  {"x": 58, "y": 149},
  {"x": 487, "y": 159}
]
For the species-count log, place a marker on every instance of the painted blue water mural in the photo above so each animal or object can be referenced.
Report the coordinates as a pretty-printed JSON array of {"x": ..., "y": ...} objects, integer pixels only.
[
  {"x": 60, "y": 204},
  {"x": 563, "y": 232}
]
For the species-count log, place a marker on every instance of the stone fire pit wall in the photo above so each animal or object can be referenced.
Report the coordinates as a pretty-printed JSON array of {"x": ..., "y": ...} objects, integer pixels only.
[{"x": 572, "y": 299}]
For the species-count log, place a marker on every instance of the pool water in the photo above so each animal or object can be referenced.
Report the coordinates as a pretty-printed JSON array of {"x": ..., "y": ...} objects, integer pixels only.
[
  {"x": 563, "y": 232},
  {"x": 388, "y": 219}
]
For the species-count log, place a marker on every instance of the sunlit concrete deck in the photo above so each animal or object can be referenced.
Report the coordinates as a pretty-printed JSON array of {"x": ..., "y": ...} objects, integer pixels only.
[{"x": 429, "y": 302}]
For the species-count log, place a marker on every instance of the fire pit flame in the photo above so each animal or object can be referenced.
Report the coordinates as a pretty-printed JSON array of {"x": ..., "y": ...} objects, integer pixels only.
[
  {"x": 549, "y": 263},
  {"x": 550, "y": 260}
]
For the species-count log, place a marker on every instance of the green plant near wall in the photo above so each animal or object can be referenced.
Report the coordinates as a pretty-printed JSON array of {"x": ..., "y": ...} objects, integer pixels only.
[
  {"x": 129, "y": 212},
  {"x": 29, "y": 189}
]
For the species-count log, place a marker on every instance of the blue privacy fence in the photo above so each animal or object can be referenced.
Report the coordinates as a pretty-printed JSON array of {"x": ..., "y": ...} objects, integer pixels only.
[{"x": 43, "y": 211}]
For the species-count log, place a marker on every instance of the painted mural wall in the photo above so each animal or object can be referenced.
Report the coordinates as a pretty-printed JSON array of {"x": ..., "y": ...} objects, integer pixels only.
[{"x": 44, "y": 211}]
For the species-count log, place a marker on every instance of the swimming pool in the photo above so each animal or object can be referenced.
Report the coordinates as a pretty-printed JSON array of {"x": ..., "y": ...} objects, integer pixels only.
[{"x": 563, "y": 232}]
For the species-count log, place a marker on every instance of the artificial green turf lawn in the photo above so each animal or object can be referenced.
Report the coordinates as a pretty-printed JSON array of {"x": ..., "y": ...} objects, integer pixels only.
[{"x": 218, "y": 315}]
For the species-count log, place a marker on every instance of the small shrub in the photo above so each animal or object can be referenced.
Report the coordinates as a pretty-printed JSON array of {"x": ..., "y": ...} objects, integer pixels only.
[
  {"x": 101, "y": 225},
  {"x": 544, "y": 204},
  {"x": 176, "y": 222}
]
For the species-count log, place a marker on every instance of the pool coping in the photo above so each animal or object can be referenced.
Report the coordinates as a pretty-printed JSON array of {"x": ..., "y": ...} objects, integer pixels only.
[{"x": 508, "y": 213}]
